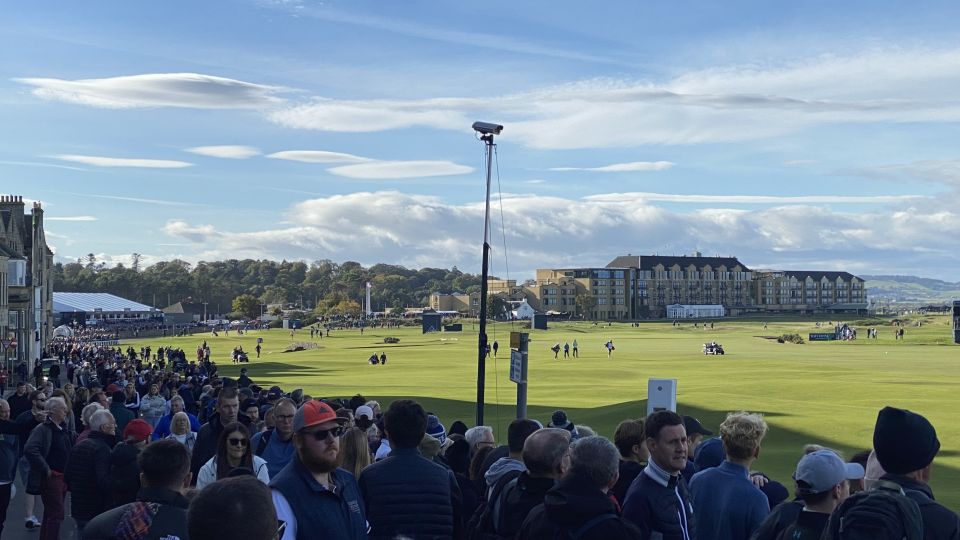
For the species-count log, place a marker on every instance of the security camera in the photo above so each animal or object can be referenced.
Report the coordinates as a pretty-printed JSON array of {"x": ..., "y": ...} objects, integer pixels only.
[{"x": 487, "y": 128}]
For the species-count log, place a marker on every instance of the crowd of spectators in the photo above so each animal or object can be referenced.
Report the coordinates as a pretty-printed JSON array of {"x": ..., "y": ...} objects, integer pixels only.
[{"x": 146, "y": 451}]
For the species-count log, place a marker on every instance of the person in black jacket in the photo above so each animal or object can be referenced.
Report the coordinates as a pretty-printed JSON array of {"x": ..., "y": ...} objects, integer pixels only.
[
  {"x": 124, "y": 469},
  {"x": 543, "y": 453},
  {"x": 629, "y": 439},
  {"x": 88, "y": 469},
  {"x": 406, "y": 494},
  {"x": 20, "y": 400},
  {"x": 47, "y": 450},
  {"x": 906, "y": 444},
  {"x": 165, "y": 466},
  {"x": 228, "y": 411},
  {"x": 580, "y": 505},
  {"x": 9, "y": 455}
]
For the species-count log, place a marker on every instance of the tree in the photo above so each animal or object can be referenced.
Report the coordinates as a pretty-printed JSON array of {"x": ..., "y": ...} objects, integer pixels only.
[
  {"x": 246, "y": 304},
  {"x": 496, "y": 306},
  {"x": 585, "y": 304}
]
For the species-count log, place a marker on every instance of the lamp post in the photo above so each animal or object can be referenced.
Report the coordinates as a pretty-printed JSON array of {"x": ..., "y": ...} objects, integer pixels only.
[{"x": 486, "y": 131}]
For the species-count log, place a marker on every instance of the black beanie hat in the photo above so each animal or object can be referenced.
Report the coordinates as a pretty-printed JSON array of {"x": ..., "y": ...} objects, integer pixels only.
[{"x": 904, "y": 441}]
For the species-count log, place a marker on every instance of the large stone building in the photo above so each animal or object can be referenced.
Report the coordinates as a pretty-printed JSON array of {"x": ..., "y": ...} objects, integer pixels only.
[{"x": 26, "y": 294}]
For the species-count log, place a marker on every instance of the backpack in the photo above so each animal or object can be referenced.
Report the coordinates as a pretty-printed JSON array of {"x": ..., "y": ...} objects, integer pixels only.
[
  {"x": 481, "y": 526},
  {"x": 264, "y": 441},
  {"x": 566, "y": 534},
  {"x": 882, "y": 513}
]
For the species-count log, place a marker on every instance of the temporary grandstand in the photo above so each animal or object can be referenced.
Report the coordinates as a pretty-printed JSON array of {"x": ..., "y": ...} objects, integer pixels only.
[{"x": 100, "y": 309}]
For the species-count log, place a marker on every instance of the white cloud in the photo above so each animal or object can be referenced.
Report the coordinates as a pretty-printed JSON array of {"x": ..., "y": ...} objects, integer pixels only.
[
  {"x": 753, "y": 199},
  {"x": 728, "y": 104},
  {"x": 159, "y": 202},
  {"x": 71, "y": 218},
  {"x": 418, "y": 230},
  {"x": 632, "y": 166},
  {"x": 946, "y": 171},
  {"x": 38, "y": 164},
  {"x": 391, "y": 170},
  {"x": 101, "y": 161},
  {"x": 190, "y": 90},
  {"x": 226, "y": 151},
  {"x": 317, "y": 156}
]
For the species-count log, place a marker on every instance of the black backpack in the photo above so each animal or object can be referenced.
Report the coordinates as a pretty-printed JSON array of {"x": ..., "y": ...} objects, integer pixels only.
[
  {"x": 566, "y": 534},
  {"x": 882, "y": 513},
  {"x": 481, "y": 526}
]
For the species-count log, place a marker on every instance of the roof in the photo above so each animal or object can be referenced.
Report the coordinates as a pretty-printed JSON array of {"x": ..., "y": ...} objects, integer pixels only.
[
  {"x": 647, "y": 262},
  {"x": 818, "y": 275},
  {"x": 190, "y": 308},
  {"x": 65, "y": 302}
]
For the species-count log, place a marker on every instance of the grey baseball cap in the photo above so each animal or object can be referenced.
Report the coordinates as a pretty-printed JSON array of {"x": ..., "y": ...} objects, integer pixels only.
[{"x": 822, "y": 470}]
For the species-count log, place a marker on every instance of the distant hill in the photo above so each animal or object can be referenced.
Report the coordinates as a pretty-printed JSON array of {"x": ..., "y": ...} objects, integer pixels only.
[{"x": 911, "y": 290}]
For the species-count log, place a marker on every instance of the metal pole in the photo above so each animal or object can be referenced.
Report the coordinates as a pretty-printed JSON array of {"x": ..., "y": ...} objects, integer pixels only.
[
  {"x": 522, "y": 385},
  {"x": 482, "y": 345}
]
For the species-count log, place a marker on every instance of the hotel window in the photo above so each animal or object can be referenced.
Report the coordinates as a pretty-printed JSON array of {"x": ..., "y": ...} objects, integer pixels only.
[{"x": 601, "y": 301}]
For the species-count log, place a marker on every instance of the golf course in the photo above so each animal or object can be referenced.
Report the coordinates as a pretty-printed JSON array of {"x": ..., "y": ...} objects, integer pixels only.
[{"x": 815, "y": 392}]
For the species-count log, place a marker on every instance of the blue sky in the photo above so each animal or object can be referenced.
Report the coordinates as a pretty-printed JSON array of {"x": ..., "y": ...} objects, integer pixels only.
[{"x": 812, "y": 135}]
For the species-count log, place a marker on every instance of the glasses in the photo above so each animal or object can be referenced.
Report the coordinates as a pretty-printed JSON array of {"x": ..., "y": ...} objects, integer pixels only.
[
  {"x": 238, "y": 442},
  {"x": 321, "y": 434}
]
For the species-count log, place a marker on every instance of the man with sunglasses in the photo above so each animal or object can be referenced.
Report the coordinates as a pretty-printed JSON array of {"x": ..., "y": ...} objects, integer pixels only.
[
  {"x": 276, "y": 444},
  {"x": 312, "y": 496}
]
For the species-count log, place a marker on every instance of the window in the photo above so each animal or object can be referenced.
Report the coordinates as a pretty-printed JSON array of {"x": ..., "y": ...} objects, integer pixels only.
[
  {"x": 17, "y": 270},
  {"x": 601, "y": 301},
  {"x": 618, "y": 274},
  {"x": 603, "y": 274}
]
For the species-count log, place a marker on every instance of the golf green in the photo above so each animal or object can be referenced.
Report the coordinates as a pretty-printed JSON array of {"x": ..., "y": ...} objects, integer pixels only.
[{"x": 817, "y": 392}]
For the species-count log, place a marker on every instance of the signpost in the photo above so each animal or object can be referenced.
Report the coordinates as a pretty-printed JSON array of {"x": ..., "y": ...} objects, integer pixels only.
[
  {"x": 823, "y": 336},
  {"x": 518, "y": 368}
]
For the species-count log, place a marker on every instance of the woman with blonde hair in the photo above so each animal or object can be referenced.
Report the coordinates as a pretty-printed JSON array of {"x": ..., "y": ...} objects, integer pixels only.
[
  {"x": 354, "y": 450},
  {"x": 180, "y": 430}
]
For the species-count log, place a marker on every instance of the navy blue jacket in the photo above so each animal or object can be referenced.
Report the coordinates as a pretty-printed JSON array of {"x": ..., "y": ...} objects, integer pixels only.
[
  {"x": 409, "y": 495},
  {"x": 338, "y": 513},
  {"x": 939, "y": 522},
  {"x": 659, "y": 503},
  {"x": 726, "y": 503}
]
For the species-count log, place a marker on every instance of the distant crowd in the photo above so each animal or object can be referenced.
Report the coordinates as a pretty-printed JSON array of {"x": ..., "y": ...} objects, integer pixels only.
[{"x": 149, "y": 451}]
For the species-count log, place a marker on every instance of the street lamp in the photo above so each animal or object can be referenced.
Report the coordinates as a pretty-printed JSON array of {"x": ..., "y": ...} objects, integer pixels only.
[{"x": 486, "y": 131}]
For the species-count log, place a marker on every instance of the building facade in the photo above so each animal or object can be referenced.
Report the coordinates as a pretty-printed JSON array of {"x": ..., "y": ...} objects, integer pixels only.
[{"x": 26, "y": 294}]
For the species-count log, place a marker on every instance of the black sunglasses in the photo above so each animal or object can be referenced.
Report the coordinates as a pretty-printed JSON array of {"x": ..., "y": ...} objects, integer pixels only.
[
  {"x": 321, "y": 434},
  {"x": 237, "y": 442}
]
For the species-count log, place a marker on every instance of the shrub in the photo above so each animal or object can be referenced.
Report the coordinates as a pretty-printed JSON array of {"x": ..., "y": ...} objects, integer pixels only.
[
  {"x": 790, "y": 338},
  {"x": 391, "y": 339}
]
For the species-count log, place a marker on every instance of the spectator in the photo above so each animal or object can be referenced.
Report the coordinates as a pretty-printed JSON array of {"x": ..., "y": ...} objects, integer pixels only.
[
  {"x": 727, "y": 503},
  {"x": 132, "y": 399},
  {"x": 275, "y": 445},
  {"x": 228, "y": 410},
  {"x": 695, "y": 434},
  {"x": 579, "y": 505},
  {"x": 9, "y": 455},
  {"x": 20, "y": 400},
  {"x": 251, "y": 410},
  {"x": 658, "y": 501},
  {"x": 906, "y": 444},
  {"x": 120, "y": 412},
  {"x": 47, "y": 450},
  {"x": 629, "y": 440},
  {"x": 233, "y": 452},
  {"x": 560, "y": 420},
  {"x": 406, "y": 494},
  {"x": 457, "y": 456},
  {"x": 85, "y": 415},
  {"x": 479, "y": 437},
  {"x": 160, "y": 510},
  {"x": 162, "y": 429},
  {"x": 26, "y": 422},
  {"x": 180, "y": 431},
  {"x": 311, "y": 493},
  {"x": 88, "y": 467},
  {"x": 363, "y": 416},
  {"x": 124, "y": 470},
  {"x": 234, "y": 508},
  {"x": 507, "y": 468},
  {"x": 356, "y": 451},
  {"x": 822, "y": 483},
  {"x": 543, "y": 453},
  {"x": 152, "y": 406}
]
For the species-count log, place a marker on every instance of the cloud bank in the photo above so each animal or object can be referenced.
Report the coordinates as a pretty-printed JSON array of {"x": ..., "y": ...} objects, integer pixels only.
[
  {"x": 227, "y": 151},
  {"x": 101, "y": 161}
]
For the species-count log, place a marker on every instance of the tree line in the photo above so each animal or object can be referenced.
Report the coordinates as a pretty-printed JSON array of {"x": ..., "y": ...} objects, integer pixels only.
[{"x": 323, "y": 286}]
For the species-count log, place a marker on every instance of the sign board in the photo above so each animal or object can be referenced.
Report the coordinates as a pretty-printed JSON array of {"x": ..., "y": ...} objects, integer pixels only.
[
  {"x": 661, "y": 395},
  {"x": 823, "y": 336},
  {"x": 514, "y": 340},
  {"x": 516, "y": 367}
]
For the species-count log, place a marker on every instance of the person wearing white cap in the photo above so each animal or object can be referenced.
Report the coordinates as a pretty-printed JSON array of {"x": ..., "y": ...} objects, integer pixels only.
[{"x": 821, "y": 478}]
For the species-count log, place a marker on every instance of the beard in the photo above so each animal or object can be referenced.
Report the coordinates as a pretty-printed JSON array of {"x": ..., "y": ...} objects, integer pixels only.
[{"x": 318, "y": 463}]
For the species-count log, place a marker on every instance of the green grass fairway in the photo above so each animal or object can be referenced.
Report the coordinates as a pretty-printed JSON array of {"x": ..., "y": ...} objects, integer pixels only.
[{"x": 824, "y": 392}]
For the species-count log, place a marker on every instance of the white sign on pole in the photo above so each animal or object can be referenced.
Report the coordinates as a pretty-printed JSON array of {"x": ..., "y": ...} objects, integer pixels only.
[
  {"x": 661, "y": 395},
  {"x": 516, "y": 367}
]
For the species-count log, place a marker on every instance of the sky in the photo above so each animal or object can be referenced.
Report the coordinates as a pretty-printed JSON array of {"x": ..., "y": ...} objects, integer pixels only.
[{"x": 798, "y": 136}]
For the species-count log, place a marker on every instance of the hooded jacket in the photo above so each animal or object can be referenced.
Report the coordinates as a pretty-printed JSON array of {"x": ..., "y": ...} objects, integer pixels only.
[
  {"x": 939, "y": 522},
  {"x": 500, "y": 469},
  {"x": 575, "y": 505}
]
